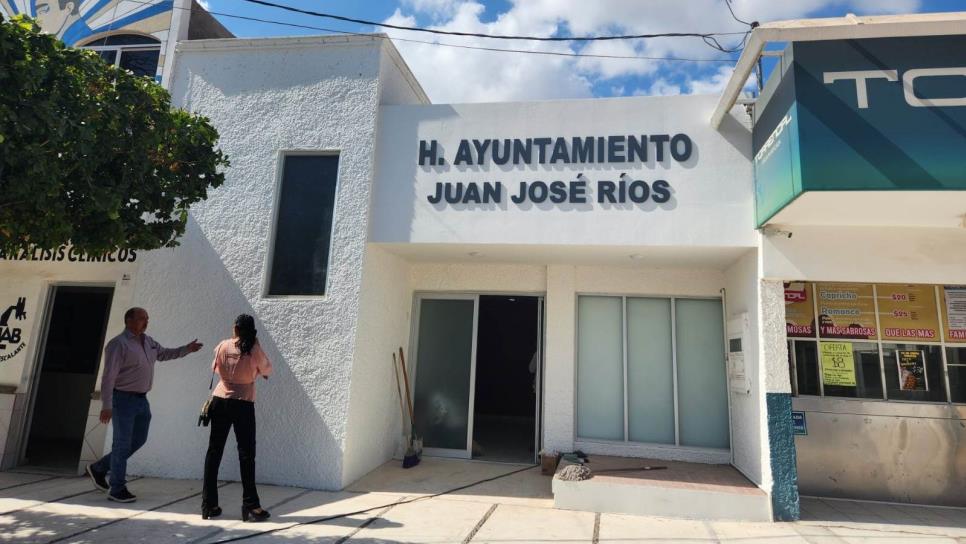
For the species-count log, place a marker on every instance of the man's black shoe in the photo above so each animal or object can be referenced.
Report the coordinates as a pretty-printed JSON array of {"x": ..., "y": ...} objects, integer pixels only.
[
  {"x": 121, "y": 496},
  {"x": 98, "y": 478}
]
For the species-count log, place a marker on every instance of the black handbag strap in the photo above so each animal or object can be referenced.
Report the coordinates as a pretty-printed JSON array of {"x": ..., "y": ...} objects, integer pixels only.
[{"x": 212, "y": 382}]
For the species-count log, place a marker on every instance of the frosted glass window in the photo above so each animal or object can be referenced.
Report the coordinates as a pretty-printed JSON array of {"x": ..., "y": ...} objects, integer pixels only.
[
  {"x": 444, "y": 359},
  {"x": 650, "y": 377},
  {"x": 600, "y": 368},
  {"x": 702, "y": 391}
]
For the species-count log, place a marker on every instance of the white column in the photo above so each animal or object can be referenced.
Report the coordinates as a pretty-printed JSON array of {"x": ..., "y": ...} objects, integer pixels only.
[{"x": 559, "y": 359}]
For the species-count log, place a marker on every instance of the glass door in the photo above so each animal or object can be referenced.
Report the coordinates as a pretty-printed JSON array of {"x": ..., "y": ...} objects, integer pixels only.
[{"x": 444, "y": 373}]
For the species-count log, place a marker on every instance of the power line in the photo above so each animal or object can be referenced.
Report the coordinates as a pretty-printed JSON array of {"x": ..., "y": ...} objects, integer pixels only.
[
  {"x": 705, "y": 35},
  {"x": 735, "y": 17},
  {"x": 442, "y": 44}
]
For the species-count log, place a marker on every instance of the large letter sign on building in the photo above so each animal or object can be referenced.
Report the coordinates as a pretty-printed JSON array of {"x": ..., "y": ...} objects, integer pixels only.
[{"x": 908, "y": 85}]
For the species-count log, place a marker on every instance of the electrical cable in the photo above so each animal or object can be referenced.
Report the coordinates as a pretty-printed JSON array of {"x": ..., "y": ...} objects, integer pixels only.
[
  {"x": 735, "y": 17},
  {"x": 495, "y": 36},
  {"x": 443, "y": 44},
  {"x": 390, "y": 505}
]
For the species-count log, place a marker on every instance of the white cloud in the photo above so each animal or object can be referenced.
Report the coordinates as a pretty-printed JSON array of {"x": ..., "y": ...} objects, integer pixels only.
[
  {"x": 205, "y": 4},
  {"x": 713, "y": 84},
  {"x": 465, "y": 75},
  {"x": 660, "y": 87},
  {"x": 436, "y": 8}
]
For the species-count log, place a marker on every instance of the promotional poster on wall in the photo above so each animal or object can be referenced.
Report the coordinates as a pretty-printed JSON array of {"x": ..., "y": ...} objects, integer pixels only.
[
  {"x": 912, "y": 370},
  {"x": 799, "y": 310},
  {"x": 908, "y": 312},
  {"x": 838, "y": 363},
  {"x": 846, "y": 310},
  {"x": 954, "y": 308}
]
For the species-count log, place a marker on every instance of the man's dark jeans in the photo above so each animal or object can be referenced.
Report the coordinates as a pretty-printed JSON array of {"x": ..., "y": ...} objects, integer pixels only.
[
  {"x": 130, "y": 420},
  {"x": 225, "y": 414}
]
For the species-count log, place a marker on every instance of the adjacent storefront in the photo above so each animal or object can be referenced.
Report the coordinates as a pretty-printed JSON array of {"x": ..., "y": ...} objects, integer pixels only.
[{"x": 859, "y": 188}]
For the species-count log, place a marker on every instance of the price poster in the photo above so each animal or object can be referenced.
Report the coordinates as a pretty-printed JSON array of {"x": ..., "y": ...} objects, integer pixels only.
[
  {"x": 799, "y": 310},
  {"x": 838, "y": 363},
  {"x": 912, "y": 370},
  {"x": 954, "y": 311},
  {"x": 908, "y": 312},
  {"x": 846, "y": 310}
]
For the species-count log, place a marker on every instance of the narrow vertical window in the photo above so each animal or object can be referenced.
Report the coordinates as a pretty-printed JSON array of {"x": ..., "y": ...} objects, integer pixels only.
[{"x": 300, "y": 260}]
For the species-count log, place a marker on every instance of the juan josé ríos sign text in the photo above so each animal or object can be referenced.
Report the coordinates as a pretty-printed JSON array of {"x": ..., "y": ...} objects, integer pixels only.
[{"x": 518, "y": 153}]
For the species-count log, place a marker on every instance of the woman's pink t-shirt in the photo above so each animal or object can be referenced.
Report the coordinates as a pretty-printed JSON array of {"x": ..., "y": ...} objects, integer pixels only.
[{"x": 237, "y": 372}]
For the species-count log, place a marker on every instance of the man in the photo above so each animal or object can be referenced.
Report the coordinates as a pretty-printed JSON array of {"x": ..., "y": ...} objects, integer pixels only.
[{"x": 128, "y": 371}]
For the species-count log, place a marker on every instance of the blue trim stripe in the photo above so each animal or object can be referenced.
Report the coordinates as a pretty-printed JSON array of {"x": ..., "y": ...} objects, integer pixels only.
[
  {"x": 160, "y": 7},
  {"x": 13, "y": 8}
]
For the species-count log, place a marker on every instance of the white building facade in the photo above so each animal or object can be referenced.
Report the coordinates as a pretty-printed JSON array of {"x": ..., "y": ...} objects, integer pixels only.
[{"x": 559, "y": 276}]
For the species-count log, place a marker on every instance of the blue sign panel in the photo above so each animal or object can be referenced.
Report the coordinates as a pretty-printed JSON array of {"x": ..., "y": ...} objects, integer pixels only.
[
  {"x": 880, "y": 114},
  {"x": 798, "y": 424}
]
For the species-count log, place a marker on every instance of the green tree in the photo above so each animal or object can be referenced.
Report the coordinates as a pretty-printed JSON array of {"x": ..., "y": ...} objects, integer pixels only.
[{"x": 92, "y": 155}]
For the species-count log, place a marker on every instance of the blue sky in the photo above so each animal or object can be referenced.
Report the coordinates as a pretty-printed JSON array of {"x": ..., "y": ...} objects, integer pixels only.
[{"x": 463, "y": 75}]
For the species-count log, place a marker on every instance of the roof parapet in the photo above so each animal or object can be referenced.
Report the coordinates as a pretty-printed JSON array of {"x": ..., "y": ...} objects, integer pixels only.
[{"x": 848, "y": 27}]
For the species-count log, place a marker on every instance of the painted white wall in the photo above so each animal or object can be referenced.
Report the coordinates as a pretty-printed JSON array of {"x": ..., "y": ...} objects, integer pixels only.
[
  {"x": 747, "y": 410},
  {"x": 265, "y": 96},
  {"x": 712, "y": 202},
  {"x": 866, "y": 254},
  {"x": 468, "y": 277},
  {"x": 375, "y": 423}
]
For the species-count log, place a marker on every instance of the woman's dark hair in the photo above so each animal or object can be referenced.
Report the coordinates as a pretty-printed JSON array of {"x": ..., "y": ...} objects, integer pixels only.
[{"x": 245, "y": 326}]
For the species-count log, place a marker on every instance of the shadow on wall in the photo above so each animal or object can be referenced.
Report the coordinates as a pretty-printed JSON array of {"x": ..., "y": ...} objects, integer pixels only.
[
  {"x": 395, "y": 194},
  {"x": 190, "y": 293}
]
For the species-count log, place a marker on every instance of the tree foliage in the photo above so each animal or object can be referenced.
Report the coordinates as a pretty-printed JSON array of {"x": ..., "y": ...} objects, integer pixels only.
[{"x": 93, "y": 155}]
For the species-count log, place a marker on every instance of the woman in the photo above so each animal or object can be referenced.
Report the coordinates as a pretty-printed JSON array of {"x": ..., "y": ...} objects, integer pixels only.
[{"x": 238, "y": 362}]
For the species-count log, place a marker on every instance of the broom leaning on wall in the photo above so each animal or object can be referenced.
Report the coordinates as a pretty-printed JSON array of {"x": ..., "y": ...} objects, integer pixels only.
[{"x": 415, "y": 444}]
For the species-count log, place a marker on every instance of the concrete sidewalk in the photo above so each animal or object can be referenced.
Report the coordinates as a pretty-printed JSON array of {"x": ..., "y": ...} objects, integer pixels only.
[{"x": 40, "y": 508}]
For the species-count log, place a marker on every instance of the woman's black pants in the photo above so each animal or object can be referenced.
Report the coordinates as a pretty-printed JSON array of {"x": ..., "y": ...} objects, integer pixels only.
[{"x": 225, "y": 414}]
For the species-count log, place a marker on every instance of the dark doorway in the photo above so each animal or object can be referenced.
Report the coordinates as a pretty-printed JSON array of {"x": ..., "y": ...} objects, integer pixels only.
[
  {"x": 71, "y": 354},
  {"x": 504, "y": 408}
]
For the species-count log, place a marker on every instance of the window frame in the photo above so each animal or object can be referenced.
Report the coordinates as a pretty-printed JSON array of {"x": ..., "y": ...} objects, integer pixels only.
[
  {"x": 121, "y": 49},
  {"x": 942, "y": 344},
  {"x": 273, "y": 226},
  {"x": 652, "y": 446}
]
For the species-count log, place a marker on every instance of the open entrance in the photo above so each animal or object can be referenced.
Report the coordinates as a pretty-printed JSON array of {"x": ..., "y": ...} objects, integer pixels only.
[
  {"x": 507, "y": 357},
  {"x": 74, "y": 336},
  {"x": 477, "y": 376}
]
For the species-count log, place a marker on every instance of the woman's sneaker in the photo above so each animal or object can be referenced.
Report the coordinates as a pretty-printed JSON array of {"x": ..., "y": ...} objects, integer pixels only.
[
  {"x": 97, "y": 477},
  {"x": 121, "y": 496}
]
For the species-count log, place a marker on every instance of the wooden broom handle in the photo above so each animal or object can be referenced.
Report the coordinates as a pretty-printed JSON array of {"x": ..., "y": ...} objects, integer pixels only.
[{"x": 409, "y": 402}]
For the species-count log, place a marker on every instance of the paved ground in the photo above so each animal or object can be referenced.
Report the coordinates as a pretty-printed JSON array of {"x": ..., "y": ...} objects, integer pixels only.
[{"x": 395, "y": 506}]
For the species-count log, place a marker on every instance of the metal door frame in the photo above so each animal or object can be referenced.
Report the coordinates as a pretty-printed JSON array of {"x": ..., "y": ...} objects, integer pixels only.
[
  {"x": 36, "y": 366},
  {"x": 413, "y": 358},
  {"x": 467, "y": 452}
]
